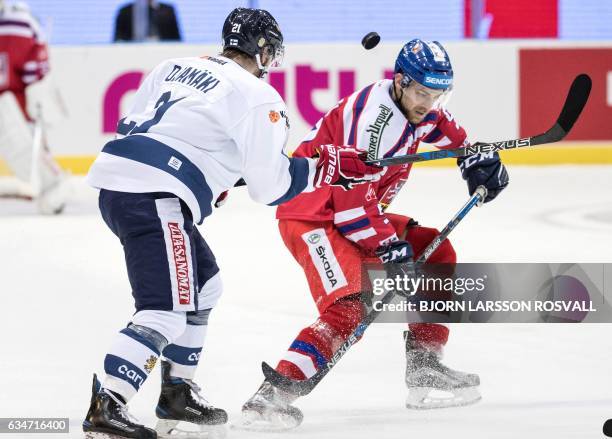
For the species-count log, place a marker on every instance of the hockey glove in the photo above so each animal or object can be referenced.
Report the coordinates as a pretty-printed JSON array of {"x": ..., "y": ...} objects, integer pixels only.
[
  {"x": 338, "y": 166},
  {"x": 486, "y": 170},
  {"x": 221, "y": 199},
  {"x": 396, "y": 257}
]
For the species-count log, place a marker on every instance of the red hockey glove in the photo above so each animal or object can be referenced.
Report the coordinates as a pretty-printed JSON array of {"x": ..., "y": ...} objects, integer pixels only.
[
  {"x": 338, "y": 166},
  {"x": 221, "y": 199}
]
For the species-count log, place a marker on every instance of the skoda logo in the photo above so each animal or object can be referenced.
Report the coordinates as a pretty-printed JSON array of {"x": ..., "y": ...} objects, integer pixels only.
[{"x": 314, "y": 238}]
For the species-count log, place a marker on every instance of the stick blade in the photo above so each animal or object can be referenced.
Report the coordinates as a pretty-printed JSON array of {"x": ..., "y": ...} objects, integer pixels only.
[
  {"x": 294, "y": 387},
  {"x": 577, "y": 98}
]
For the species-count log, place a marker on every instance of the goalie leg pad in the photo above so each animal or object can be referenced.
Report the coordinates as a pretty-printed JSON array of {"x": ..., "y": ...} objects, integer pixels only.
[{"x": 16, "y": 139}]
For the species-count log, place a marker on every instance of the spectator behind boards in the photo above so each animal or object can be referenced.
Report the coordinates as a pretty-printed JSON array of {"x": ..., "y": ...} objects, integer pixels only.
[{"x": 146, "y": 20}]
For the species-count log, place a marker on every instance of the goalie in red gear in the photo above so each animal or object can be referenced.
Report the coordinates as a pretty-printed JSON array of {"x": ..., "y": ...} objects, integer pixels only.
[
  {"x": 332, "y": 230},
  {"x": 23, "y": 65}
]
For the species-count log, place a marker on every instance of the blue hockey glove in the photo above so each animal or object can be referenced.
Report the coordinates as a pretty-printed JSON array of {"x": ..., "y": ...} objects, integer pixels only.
[
  {"x": 486, "y": 170},
  {"x": 395, "y": 252},
  {"x": 397, "y": 259}
]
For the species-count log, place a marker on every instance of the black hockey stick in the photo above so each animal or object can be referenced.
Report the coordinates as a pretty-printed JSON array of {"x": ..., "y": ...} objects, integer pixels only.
[
  {"x": 304, "y": 387},
  {"x": 574, "y": 103}
]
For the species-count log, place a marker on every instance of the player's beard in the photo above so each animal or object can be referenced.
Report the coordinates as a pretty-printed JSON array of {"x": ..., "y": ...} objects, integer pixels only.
[{"x": 417, "y": 114}]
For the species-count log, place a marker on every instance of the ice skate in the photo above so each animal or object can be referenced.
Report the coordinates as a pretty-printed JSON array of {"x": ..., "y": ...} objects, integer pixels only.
[
  {"x": 180, "y": 402},
  {"x": 269, "y": 409},
  {"x": 432, "y": 384},
  {"x": 108, "y": 418}
]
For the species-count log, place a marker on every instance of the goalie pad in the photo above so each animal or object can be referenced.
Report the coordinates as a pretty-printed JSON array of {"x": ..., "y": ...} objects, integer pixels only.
[
  {"x": 45, "y": 103},
  {"x": 16, "y": 139},
  {"x": 27, "y": 156}
]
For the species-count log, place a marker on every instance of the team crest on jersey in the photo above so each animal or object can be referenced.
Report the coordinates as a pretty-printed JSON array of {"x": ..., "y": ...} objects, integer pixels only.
[
  {"x": 150, "y": 363},
  {"x": 274, "y": 116}
]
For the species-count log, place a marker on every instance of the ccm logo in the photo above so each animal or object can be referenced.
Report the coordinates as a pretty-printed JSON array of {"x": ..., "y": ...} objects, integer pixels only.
[
  {"x": 395, "y": 254},
  {"x": 131, "y": 375},
  {"x": 194, "y": 356}
]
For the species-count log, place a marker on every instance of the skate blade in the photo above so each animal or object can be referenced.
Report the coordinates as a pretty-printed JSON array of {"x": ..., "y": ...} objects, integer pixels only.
[
  {"x": 99, "y": 435},
  {"x": 168, "y": 428},
  {"x": 426, "y": 398},
  {"x": 253, "y": 421}
]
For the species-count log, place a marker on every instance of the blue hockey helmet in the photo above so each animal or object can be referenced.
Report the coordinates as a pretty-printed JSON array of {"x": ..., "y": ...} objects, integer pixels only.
[{"x": 425, "y": 62}]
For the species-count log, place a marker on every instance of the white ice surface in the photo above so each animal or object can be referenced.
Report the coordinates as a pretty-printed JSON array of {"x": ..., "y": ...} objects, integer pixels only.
[{"x": 64, "y": 294}]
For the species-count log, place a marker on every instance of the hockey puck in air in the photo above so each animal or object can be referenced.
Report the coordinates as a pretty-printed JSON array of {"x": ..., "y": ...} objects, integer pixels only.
[{"x": 370, "y": 41}]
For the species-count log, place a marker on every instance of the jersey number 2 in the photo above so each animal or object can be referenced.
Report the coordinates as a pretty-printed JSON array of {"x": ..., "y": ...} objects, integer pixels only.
[{"x": 162, "y": 105}]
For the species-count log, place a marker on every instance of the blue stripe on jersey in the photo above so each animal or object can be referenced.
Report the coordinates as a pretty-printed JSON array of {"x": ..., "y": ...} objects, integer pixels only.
[
  {"x": 360, "y": 103},
  {"x": 402, "y": 140},
  {"x": 354, "y": 226},
  {"x": 430, "y": 117},
  {"x": 298, "y": 168},
  {"x": 307, "y": 348},
  {"x": 158, "y": 155},
  {"x": 124, "y": 370},
  {"x": 182, "y": 355},
  {"x": 434, "y": 136},
  {"x": 140, "y": 339}
]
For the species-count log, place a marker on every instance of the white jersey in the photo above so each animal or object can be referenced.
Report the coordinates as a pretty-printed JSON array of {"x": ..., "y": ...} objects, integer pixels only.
[{"x": 196, "y": 126}]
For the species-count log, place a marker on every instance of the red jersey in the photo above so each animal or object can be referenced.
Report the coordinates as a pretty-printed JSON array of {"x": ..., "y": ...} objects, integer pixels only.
[
  {"x": 369, "y": 121},
  {"x": 23, "y": 53}
]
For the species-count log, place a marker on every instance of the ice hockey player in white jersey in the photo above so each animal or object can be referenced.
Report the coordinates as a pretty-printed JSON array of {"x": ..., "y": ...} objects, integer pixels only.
[{"x": 196, "y": 127}]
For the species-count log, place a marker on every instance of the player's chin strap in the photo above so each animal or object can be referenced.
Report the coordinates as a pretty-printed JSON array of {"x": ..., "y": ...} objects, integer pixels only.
[
  {"x": 397, "y": 97},
  {"x": 275, "y": 57},
  {"x": 263, "y": 70}
]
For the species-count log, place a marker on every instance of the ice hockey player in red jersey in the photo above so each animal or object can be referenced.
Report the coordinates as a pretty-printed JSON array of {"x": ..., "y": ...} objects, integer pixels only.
[
  {"x": 331, "y": 230},
  {"x": 24, "y": 62}
]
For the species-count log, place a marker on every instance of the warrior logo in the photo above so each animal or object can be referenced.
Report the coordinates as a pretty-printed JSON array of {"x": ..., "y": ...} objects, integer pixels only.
[
  {"x": 181, "y": 263},
  {"x": 376, "y": 130},
  {"x": 284, "y": 116}
]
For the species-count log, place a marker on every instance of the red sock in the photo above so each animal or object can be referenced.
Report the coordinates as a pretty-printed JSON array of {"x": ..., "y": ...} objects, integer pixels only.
[
  {"x": 429, "y": 335},
  {"x": 316, "y": 343}
]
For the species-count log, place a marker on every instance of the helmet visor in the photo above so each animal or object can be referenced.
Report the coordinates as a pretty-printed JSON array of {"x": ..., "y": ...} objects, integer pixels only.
[
  {"x": 426, "y": 97},
  {"x": 277, "y": 54}
]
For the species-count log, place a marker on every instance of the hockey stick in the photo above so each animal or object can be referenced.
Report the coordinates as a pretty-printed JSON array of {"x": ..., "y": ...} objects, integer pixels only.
[
  {"x": 574, "y": 103},
  {"x": 304, "y": 387}
]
